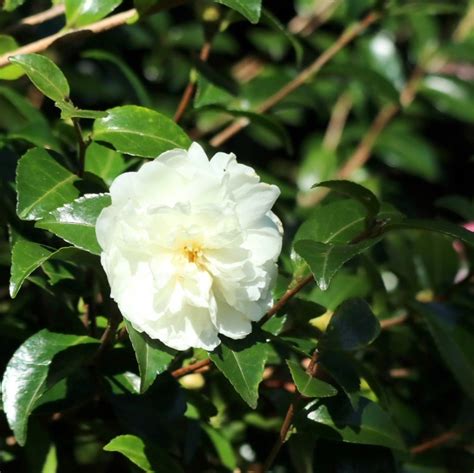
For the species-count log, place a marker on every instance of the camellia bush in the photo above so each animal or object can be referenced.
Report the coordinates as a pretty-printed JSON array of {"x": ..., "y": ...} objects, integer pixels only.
[{"x": 237, "y": 236}]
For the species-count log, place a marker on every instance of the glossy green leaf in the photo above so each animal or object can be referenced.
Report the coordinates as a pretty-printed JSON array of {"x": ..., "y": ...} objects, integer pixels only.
[
  {"x": 75, "y": 222},
  {"x": 80, "y": 13},
  {"x": 140, "y": 91},
  {"x": 307, "y": 385},
  {"x": 145, "y": 454},
  {"x": 152, "y": 356},
  {"x": 367, "y": 423},
  {"x": 26, "y": 375},
  {"x": 27, "y": 256},
  {"x": 7, "y": 44},
  {"x": 352, "y": 326},
  {"x": 251, "y": 9},
  {"x": 44, "y": 74},
  {"x": 454, "y": 339},
  {"x": 104, "y": 162},
  {"x": 139, "y": 131},
  {"x": 356, "y": 192},
  {"x": 242, "y": 362},
  {"x": 42, "y": 185}
]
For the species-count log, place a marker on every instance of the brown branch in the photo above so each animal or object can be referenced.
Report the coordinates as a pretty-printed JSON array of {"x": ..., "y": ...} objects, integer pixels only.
[
  {"x": 338, "y": 119},
  {"x": 436, "y": 441},
  {"x": 393, "y": 321},
  {"x": 191, "y": 87},
  {"x": 345, "y": 38},
  {"x": 106, "y": 24},
  {"x": 37, "y": 18},
  {"x": 190, "y": 368}
]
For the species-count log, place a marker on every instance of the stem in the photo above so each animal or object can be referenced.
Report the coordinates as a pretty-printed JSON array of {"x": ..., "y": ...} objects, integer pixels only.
[
  {"x": 190, "y": 368},
  {"x": 191, "y": 87},
  {"x": 106, "y": 24},
  {"x": 436, "y": 441},
  {"x": 345, "y": 38},
  {"x": 37, "y": 18},
  {"x": 81, "y": 146}
]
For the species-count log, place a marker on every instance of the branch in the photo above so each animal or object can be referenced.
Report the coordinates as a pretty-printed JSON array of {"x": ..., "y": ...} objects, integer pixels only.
[
  {"x": 191, "y": 87},
  {"x": 437, "y": 441},
  {"x": 106, "y": 24},
  {"x": 346, "y": 37},
  {"x": 37, "y": 18}
]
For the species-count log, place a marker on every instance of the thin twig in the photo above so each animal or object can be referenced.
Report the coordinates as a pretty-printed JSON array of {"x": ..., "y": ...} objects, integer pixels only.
[
  {"x": 338, "y": 119},
  {"x": 346, "y": 37},
  {"x": 37, "y": 18},
  {"x": 191, "y": 87},
  {"x": 190, "y": 368},
  {"x": 437, "y": 441},
  {"x": 106, "y": 24}
]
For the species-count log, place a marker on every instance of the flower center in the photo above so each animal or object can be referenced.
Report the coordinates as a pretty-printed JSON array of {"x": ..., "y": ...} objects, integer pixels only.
[{"x": 192, "y": 253}]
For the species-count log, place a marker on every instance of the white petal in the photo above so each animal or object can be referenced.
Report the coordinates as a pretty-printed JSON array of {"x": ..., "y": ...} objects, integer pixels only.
[{"x": 264, "y": 239}]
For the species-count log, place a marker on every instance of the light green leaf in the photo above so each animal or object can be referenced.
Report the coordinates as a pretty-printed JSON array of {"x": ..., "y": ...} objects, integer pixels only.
[
  {"x": 26, "y": 375},
  {"x": 42, "y": 185},
  {"x": 139, "y": 131},
  {"x": 367, "y": 423},
  {"x": 251, "y": 9},
  {"x": 152, "y": 356},
  {"x": 307, "y": 385},
  {"x": 352, "y": 326},
  {"x": 7, "y": 44},
  {"x": 146, "y": 455},
  {"x": 80, "y": 13},
  {"x": 46, "y": 76},
  {"x": 10, "y": 5},
  {"x": 242, "y": 362},
  {"x": 75, "y": 222},
  {"x": 104, "y": 162}
]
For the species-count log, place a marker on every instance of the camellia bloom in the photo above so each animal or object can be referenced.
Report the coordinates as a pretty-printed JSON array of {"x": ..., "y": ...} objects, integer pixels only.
[{"x": 190, "y": 247}]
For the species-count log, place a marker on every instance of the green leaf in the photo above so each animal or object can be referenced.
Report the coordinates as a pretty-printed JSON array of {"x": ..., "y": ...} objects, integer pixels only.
[
  {"x": 367, "y": 423},
  {"x": 104, "y": 162},
  {"x": 75, "y": 222},
  {"x": 152, "y": 356},
  {"x": 242, "y": 362},
  {"x": 454, "y": 340},
  {"x": 146, "y": 455},
  {"x": 80, "y": 13},
  {"x": 357, "y": 192},
  {"x": 208, "y": 93},
  {"x": 352, "y": 326},
  {"x": 325, "y": 260},
  {"x": 7, "y": 44},
  {"x": 10, "y": 5},
  {"x": 458, "y": 205},
  {"x": 46, "y": 76},
  {"x": 133, "y": 79},
  {"x": 438, "y": 226},
  {"x": 26, "y": 375},
  {"x": 28, "y": 256},
  {"x": 139, "y": 131},
  {"x": 42, "y": 185},
  {"x": 223, "y": 447},
  {"x": 307, "y": 385},
  {"x": 251, "y": 9}
]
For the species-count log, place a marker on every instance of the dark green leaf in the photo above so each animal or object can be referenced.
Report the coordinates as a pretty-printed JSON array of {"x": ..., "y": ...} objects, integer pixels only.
[
  {"x": 242, "y": 362},
  {"x": 251, "y": 9},
  {"x": 208, "y": 93},
  {"x": 357, "y": 192},
  {"x": 438, "y": 226},
  {"x": 454, "y": 340},
  {"x": 367, "y": 423},
  {"x": 42, "y": 185},
  {"x": 222, "y": 445},
  {"x": 26, "y": 375},
  {"x": 139, "y": 131},
  {"x": 80, "y": 13},
  {"x": 146, "y": 455},
  {"x": 352, "y": 326},
  {"x": 459, "y": 205},
  {"x": 152, "y": 356},
  {"x": 307, "y": 385},
  {"x": 75, "y": 222},
  {"x": 46, "y": 76}
]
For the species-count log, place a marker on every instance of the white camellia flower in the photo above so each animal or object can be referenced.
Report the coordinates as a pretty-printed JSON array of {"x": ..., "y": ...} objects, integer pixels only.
[{"x": 190, "y": 247}]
